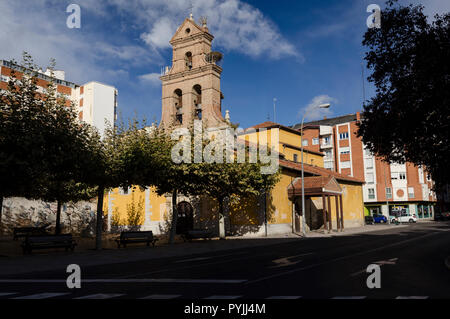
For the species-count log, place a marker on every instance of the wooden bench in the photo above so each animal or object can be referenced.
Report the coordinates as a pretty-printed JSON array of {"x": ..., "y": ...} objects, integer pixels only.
[
  {"x": 136, "y": 237},
  {"x": 19, "y": 232},
  {"x": 198, "y": 234},
  {"x": 48, "y": 241}
]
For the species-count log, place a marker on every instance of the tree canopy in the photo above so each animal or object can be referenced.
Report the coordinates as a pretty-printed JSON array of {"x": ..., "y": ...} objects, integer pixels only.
[{"x": 408, "y": 118}]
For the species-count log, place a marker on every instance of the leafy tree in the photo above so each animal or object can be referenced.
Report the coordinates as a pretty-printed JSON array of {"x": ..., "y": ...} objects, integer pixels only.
[
  {"x": 408, "y": 118},
  {"x": 41, "y": 141}
]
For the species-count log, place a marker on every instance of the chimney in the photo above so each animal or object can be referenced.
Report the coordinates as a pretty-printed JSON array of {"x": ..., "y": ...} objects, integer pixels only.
[
  {"x": 324, "y": 117},
  {"x": 358, "y": 116}
]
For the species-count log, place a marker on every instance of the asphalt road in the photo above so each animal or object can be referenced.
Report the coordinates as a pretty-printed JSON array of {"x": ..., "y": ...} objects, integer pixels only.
[{"x": 412, "y": 262}]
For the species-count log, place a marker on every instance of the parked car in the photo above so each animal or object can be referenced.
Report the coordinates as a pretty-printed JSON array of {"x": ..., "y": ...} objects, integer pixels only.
[
  {"x": 379, "y": 219},
  {"x": 369, "y": 220},
  {"x": 403, "y": 217},
  {"x": 442, "y": 216}
]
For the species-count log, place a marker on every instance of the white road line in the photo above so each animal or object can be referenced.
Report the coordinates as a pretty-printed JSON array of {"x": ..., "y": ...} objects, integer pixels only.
[
  {"x": 100, "y": 296},
  {"x": 120, "y": 281},
  {"x": 44, "y": 295},
  {"x": 193, "y": 259},
  {"x": 349, "y": 297},
  {"x": 285, "y": 297},
  {"x": 222, "y": 297},
  {"x": 7, "y": 293},
  {"x": 412, "y": 297},
  {"x": 162, "y": 297},
  {"x": 280, "y": 274}
]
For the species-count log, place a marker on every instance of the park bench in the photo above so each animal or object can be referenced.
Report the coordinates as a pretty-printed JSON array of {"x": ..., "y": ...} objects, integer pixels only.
[
  {"x": 136, "y": 237},
  {"x": 197, "y": 234},
  {"x": 48, "y": 241},
  {"x": 19, "y": 232}
]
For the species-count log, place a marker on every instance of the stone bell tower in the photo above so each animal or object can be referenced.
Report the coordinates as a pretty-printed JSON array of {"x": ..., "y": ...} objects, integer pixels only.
[{"x": 191, "y": 87}]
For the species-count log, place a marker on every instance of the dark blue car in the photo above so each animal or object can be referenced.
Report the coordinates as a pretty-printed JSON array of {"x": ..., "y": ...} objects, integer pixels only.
[{"x": 379, "y": 219}]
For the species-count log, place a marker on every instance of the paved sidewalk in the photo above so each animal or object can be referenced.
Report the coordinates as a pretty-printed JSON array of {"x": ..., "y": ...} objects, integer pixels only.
[{"x": 53, "y": 260}]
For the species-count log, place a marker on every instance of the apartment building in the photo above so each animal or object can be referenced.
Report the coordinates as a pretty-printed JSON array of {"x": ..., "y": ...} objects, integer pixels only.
[
  {"x": 95, "y": 103},
  {"x": 388, "y": 187}
]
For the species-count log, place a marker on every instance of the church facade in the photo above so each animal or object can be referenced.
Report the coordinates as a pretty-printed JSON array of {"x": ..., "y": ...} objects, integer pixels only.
[{"x": 191, "y": 91}]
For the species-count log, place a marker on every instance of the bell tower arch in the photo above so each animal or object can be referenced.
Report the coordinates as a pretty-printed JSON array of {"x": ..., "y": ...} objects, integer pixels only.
[{"x": 191, "y": 87}]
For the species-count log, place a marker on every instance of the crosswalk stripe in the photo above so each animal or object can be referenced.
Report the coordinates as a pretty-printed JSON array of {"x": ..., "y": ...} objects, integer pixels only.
[
  {"x": 412, "y": 297},
  {"x": 100, "y": 296},
  {"x": 162, "y": 297},
  {"x": 223, "y": 297},
  {"x": 285, "y": 297},
  {"x": 44, "y": 295},
  {"x": 349, "y": 297},
  {"x": 7, "y": 293}
]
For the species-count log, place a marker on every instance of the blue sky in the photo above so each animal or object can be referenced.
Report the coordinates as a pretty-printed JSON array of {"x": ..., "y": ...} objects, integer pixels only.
[{"x": 301, "y": 52}]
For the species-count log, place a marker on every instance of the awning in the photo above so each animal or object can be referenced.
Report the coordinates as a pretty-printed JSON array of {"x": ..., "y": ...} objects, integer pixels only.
[{"x": 315, "y": 186}]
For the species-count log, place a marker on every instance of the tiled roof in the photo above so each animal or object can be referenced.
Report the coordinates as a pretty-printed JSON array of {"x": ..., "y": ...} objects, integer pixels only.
[
  {"x": 315, "y": 184},
  {"x": 318, "y": 171}
]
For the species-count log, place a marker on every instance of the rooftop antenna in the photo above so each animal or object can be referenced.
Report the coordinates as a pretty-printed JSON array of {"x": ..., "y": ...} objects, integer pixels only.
[
  {"x": 191, "y": 15},
  {"x": 363, "y": 84},
  {"x": 274, "y": 109}
]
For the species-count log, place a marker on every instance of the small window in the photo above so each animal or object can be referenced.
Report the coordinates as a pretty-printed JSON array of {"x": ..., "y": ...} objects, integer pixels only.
[
  {"x": 295, "y": 158},
  {"x": 411, "y": 192},
  {"x": 371, "y": 193},
  {"x": 315, "y": 141},
  {"x": 326, "y": 140},
  {"x": 343, "y": 136},
  {"x": 402, "y": 176},
  {"x": 188, "y": 31},
  {"x": 369, "y": 178},
  {"x": 305, "y": 142},
  {"x": 388, "y": 193},
  {"x": 369, "y": 164}
]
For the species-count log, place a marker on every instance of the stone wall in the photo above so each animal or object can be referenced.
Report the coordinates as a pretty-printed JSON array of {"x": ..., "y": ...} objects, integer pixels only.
[{"x": 76, "y": 218}]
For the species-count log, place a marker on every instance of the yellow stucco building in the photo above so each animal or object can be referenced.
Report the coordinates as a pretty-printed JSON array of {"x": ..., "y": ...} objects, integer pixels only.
[{"x": 191, "y": 88}]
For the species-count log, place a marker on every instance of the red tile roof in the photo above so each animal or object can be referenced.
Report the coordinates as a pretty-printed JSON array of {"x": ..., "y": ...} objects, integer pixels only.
[{"x": 318, "y": 171}]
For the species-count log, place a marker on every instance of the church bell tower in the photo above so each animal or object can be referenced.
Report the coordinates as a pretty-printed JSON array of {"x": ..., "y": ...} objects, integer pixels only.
[{"x": 191, "y": 87}]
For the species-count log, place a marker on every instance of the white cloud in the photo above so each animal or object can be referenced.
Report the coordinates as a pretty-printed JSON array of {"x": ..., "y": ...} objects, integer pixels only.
[
  {"x": 236, "y": 25},
  {"x": 313, "y": 112},
  {"x": 152, "y": 78}
]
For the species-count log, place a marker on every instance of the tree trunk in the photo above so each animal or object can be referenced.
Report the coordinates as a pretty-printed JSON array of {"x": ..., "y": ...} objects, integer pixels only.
[
  {"x": 173, "y": 228},
  {"x": 58, "y": 219},
  {"x": 99, "y": 230},
  {"x": 221, "y": 220},
  {"x": 1, "y": 210}
]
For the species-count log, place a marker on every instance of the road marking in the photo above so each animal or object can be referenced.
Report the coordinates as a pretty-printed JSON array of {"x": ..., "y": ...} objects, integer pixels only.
[
  {"x": 121, "y": 281},
  {"x": 223, "y": 297},
  {"x": 286, "y": 261},
  {"x": 193, "y": 259},
  {"x": 337, "y": 259},
  {"x": 100, "y": 296},
  {"x": 7, "y": 293},
  {"x": 285, "y": 297},
  {"x": 392, "y": 261},
  {"x": 349, "y": 297},
  {"x": 44, "y": 295},
  {"x": 162, "y": 297},
  {"x": 412, "y": 297}
]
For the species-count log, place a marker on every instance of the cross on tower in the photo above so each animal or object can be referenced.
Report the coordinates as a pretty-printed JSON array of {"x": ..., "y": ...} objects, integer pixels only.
[{"x": 190, "y": 10}]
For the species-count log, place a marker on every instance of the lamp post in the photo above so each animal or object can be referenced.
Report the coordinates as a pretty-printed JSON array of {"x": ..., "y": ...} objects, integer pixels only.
[{"x": 322, "y": 106}]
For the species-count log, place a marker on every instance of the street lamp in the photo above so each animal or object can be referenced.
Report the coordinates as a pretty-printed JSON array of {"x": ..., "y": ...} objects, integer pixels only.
[{"x": 322, "y": 106}]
